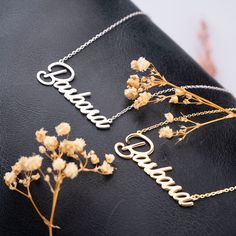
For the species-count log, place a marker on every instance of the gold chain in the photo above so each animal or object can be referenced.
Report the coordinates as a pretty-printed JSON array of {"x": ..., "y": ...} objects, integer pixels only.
[
  {"x": 202, "y": 113},
  {"x": 195, "y": 197}
]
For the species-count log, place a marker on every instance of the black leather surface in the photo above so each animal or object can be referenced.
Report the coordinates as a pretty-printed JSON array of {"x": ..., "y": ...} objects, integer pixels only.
[{"x": 34, "y": 34}]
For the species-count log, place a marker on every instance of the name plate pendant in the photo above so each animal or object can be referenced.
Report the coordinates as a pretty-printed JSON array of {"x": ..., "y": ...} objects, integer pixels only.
[
  {"x": 129, "y": 151},
  {"x": 59, "y": 75}
]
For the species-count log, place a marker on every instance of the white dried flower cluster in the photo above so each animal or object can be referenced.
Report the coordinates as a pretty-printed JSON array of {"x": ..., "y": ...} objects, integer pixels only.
[
  {"x": 71, "y": 170},
  {"x": 110, "y": 158},
  {"x": 174, "y": 99},
  {"x": 142, "y": 100},
  {"x": 24, "y": 164},
  {"x": 182, "y": 96},
  {"x": 169, "y": 117},
  {"x": 63, "y": 129},
  {"x": 50, "y": 142},
  {"x": 70, "y": 148},
  {"x": 134, "y": 83},
  {"x": 166, "y": 132},
  {"x": 29, "y": 169},
  {"x": 137, "y": 88},
  {"x": 10, "y": 179},
  {"x": 40, "y": 135},
  {"x": 93, "y": 157},
  {"x": 58, "y": 164},
  {"x": 140, "y": 65},
  {"x": 106, "y": 168}
]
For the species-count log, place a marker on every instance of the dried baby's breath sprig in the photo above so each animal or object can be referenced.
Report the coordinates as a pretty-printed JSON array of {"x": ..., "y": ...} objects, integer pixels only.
[
  {"x": 139, "y": 85},
  {"x": 188, "y": 127},
  {"x": 138, "y": 90},
  {"x": 30, "y": 169}
]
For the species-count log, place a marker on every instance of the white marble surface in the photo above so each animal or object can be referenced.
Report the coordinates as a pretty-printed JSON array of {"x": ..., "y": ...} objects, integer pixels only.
[{"x": 181, "y": 21}]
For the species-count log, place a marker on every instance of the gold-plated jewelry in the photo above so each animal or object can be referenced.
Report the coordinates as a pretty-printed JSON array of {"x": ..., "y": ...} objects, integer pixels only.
[
  {"x": 151, "y": 168},
  {"x": 176, "y": 119},
  {"x": 159, "y": 174}
]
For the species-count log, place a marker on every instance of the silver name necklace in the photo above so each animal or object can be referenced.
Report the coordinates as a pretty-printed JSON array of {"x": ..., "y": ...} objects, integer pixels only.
[{"x": 53, "y": 77}]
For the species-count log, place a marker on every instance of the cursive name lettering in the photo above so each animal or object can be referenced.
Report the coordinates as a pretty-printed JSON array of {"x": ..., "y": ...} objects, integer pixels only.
[
  {"x": 71, "y": 94},
  {"x": 151, "y": 168}
]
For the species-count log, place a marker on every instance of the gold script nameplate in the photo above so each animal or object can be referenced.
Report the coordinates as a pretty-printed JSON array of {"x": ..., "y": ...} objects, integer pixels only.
[{"x": 143, "y": 160}]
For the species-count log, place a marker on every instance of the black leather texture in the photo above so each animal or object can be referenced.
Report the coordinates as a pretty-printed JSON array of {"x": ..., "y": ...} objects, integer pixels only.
[{"x": 34, "y": 34}]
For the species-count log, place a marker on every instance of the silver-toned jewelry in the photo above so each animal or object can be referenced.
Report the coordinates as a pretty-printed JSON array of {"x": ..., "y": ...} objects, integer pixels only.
[
  {"x": 62, "y": 84},
  {"x": 119, "y": 114}
]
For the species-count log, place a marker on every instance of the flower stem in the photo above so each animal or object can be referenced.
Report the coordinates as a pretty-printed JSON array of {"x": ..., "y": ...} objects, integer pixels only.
[
  {"x": 54, "y": 203},
  {"x": 48, "y": 183},
  {"x": 36, "y": 208},
  {"x": 206, "y": 102},
  {"x": 207, "y": 123}
]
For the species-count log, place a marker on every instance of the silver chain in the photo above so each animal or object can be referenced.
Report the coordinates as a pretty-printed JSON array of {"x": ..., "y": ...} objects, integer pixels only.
[
  {"x": 99, "y": 35},
  {"x": 192, "y": 87},
  {"x": 168, "y": 91},
  {"x": 108, "y": 29}
]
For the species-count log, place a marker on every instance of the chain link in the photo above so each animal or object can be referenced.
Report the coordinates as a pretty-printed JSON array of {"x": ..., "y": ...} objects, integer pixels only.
[
  {"x": 168, "y": 91},
  {"x": 110, "y": 120},
  {"x": 99, "y": 35},
  {"x": 196, "y": 197},
  {"x": 199, "y": 86},
  {"x": 201, "y": 113},
  {"x": 108, "y": 29}
]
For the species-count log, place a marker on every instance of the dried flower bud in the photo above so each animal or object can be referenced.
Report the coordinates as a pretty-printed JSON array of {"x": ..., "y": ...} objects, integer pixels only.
[
  {"x": 31, "y": 163},
  {"x": 166, "y": 132},
  {"x": 71, "y": 147},
  {"x": 110, "y": 158},
  {"x": 174, "y": 99},
  {"x": 140, "y": 90},
  {"x": 36, "y": 176},
  {"x": 42, "y": 149},
  {"x": 50, "y": 143},
  {"x": 133, "y": 81},
  {"x": 142, "y": 100},
  {"x": 131, "y": 93},
  {"x": 17, "y": 168},
  {"x": 140, "y": 65},
  {"x": 58, "y": 164},
  {"x": 63, "y": 129},
  {"x": 40, "y": 135},
  {"x": 94, "y": 158},
  {"x": 169, "y": 117},
  {"x": 67, "y": 147},
  {"x": 49, "y": 170},
  {"x": 106, "y": 168},
  {"x": 79, "y": 145},
  {"x": 180, "y": 91},
  {"x": 71, "y": 170},
  {"x": 10, "y": 178}
]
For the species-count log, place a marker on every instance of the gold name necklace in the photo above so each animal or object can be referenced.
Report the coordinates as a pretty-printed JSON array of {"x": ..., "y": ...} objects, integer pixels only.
[{"x": 143, "y": 160}]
